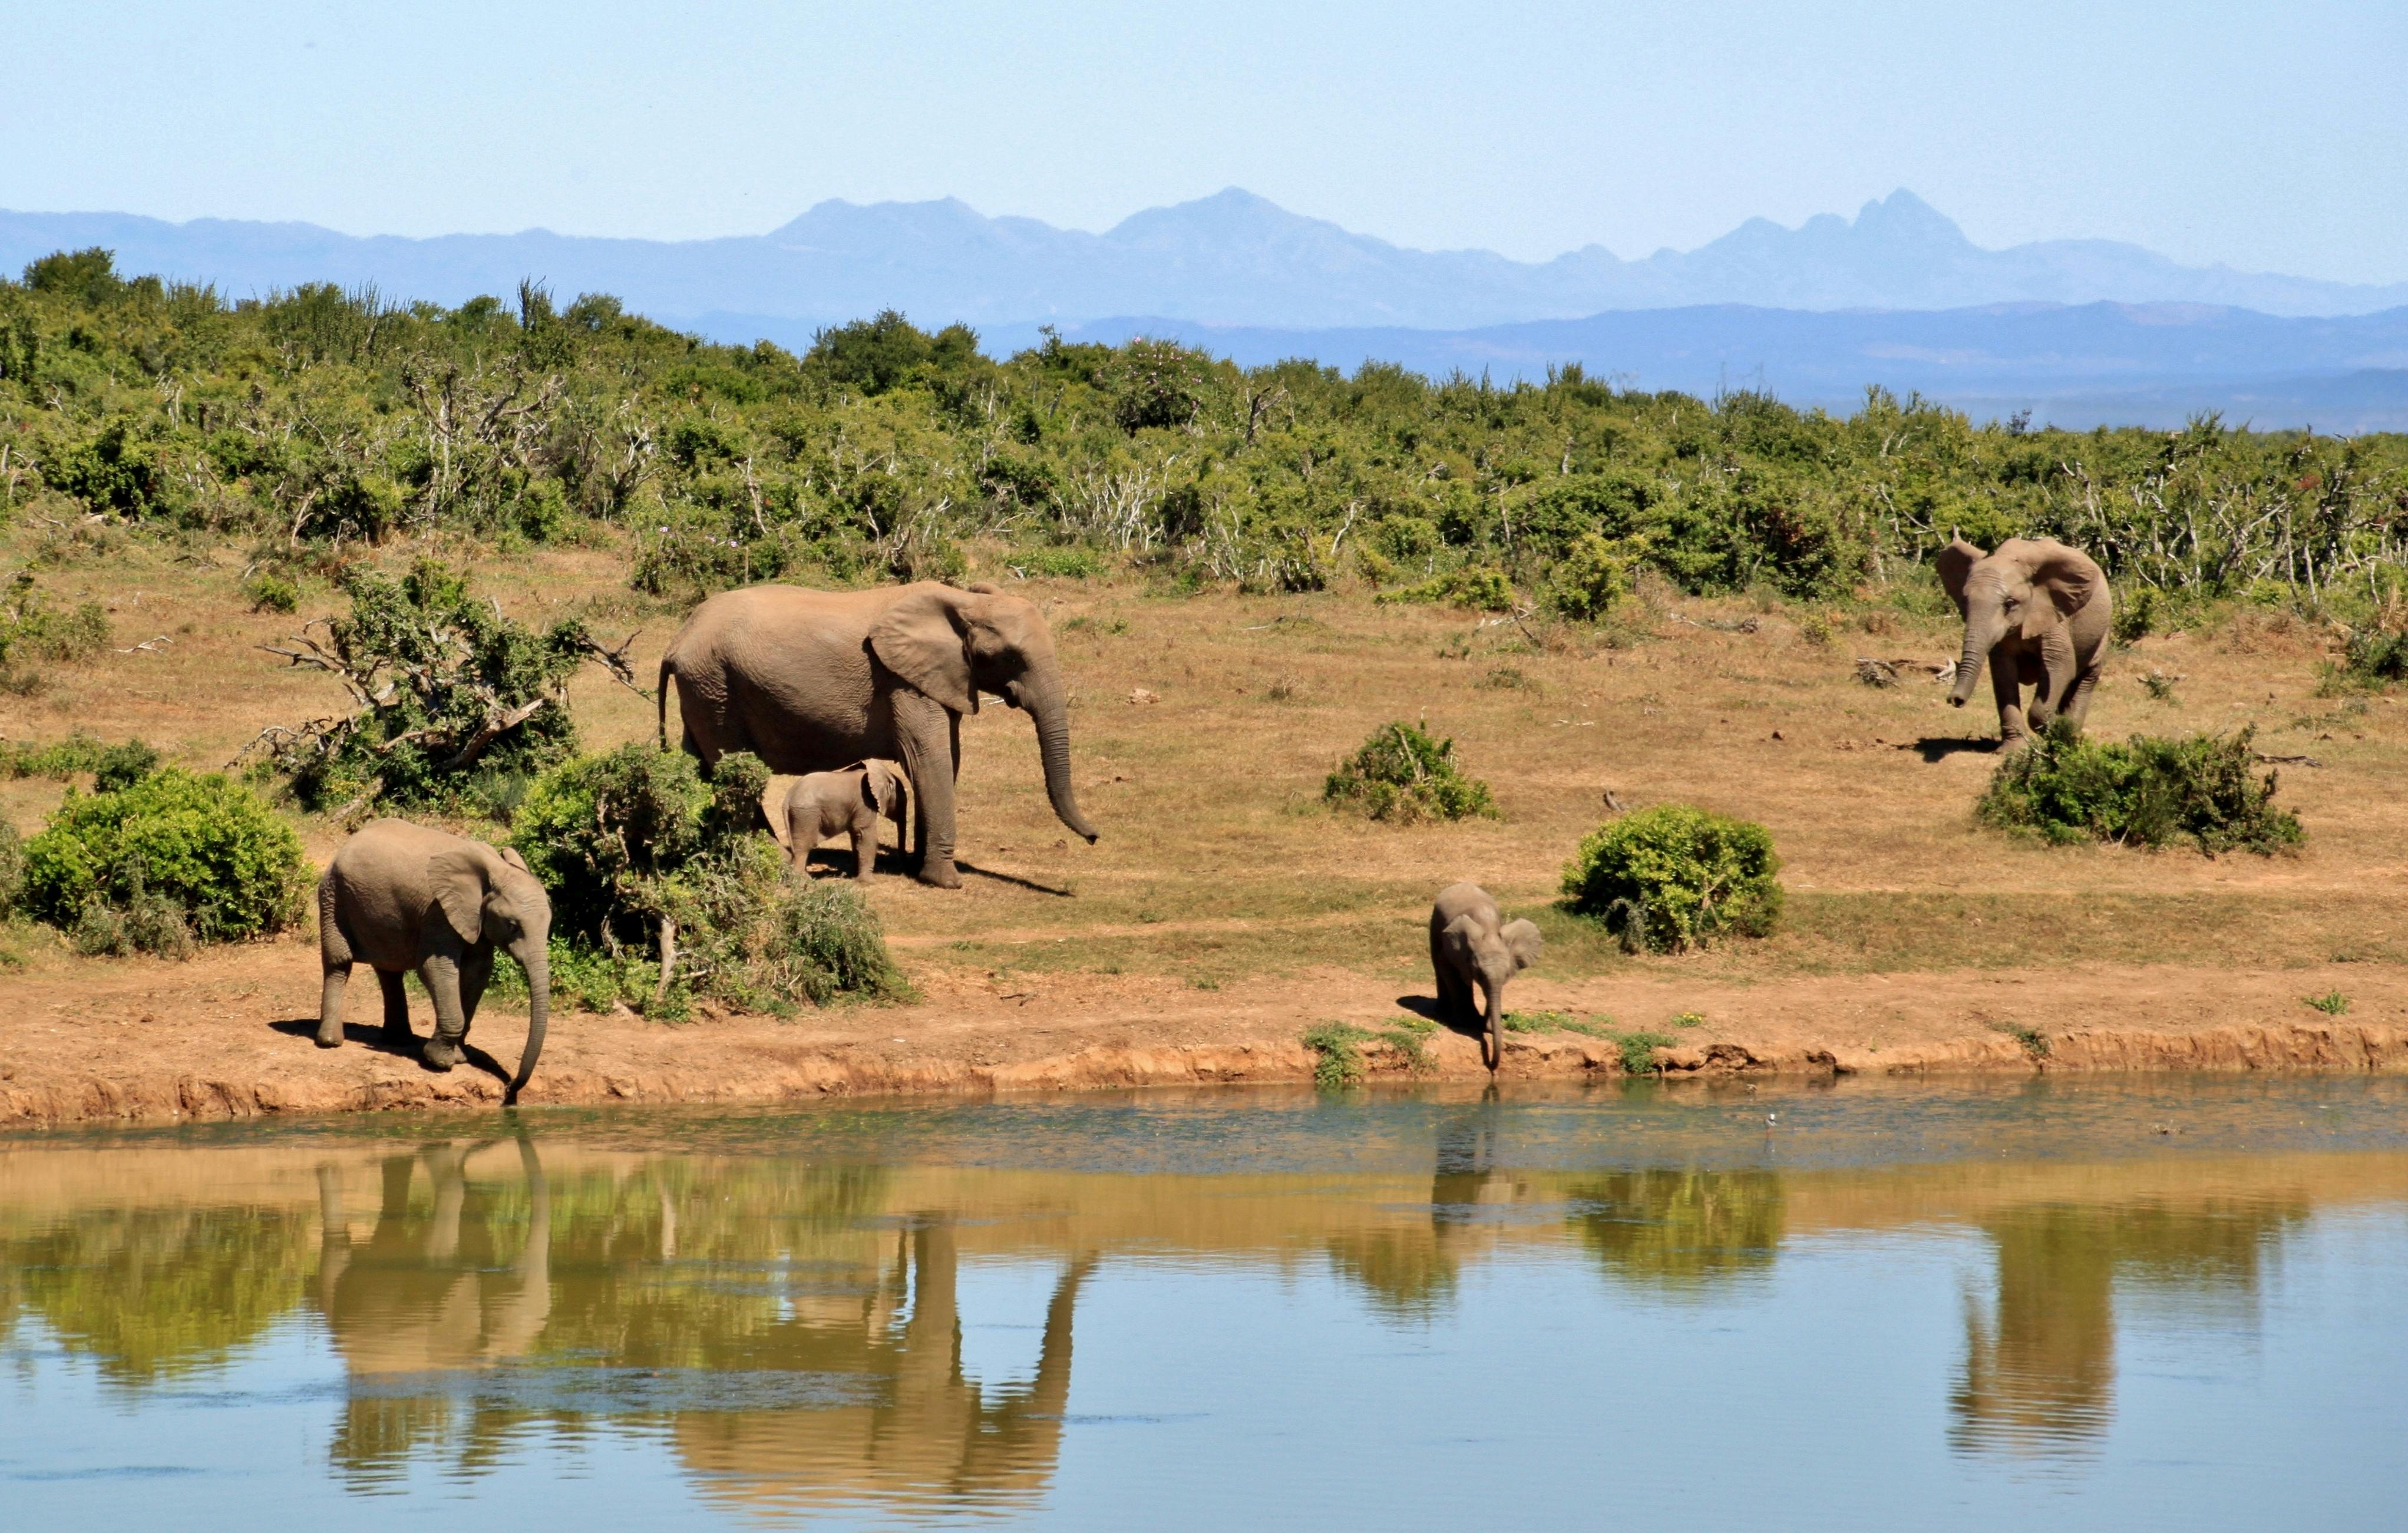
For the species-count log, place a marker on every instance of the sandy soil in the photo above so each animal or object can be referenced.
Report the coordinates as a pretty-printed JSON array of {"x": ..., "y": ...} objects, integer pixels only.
[{"x": 228, "y": 1035}]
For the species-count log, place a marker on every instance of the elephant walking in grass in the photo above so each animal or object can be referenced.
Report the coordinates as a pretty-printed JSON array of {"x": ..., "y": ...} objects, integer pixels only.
[
  {"x": 2038, "y": 614},
  {"x": 400, "y": 897},
  {"x": 1471, "y": 942},
  {"x": 812, "y": 680},
  {"x": 850, "y": 802}
]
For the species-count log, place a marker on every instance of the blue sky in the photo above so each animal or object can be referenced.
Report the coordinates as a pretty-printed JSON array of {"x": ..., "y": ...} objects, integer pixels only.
[{"x": 2271, "y": 137}]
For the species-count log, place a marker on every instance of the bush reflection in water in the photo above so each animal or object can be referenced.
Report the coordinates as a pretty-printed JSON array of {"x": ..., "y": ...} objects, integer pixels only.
[{"x": 793, "y": 1329}]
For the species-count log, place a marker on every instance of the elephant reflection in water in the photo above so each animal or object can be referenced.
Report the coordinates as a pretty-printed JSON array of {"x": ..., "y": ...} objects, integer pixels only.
[
  {"x": 2039, "y": 1370},
  {"x": 933, "y": 1436},
  {"x": 1411, "y": 1271},
  {"x": 420, "y": 1297}
]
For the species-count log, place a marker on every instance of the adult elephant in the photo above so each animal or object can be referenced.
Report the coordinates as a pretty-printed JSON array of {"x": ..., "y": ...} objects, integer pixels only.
[
  {"x": 812, "y": 680},
  {"x": 2038, "y": 614}
]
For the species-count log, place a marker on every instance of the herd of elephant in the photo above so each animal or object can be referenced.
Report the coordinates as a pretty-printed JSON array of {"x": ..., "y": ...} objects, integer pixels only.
[{"x": 860, "y": 695}]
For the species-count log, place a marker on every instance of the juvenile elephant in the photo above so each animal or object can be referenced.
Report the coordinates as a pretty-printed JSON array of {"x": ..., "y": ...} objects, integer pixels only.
[
  {"x": 1471, "y": 940},
  {"x": 2039, "y": 613},
  {"x": 400, "y": 897},
  {"x": 850, "y": 802},
  {"x": 809, "y": 681}
]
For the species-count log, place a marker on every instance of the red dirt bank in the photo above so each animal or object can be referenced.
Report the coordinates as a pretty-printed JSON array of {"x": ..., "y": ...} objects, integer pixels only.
[{"x": 226, "y": 1035}]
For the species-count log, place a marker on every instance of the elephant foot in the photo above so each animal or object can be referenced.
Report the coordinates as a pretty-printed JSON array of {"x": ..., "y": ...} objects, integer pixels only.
[
  {"x": 330, "y": 1038},
  {"x": 940, "y": 875},
  {"x": 441, "y": 1053}
]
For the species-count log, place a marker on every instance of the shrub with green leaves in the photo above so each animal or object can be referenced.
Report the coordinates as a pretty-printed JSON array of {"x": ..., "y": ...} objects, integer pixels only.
[
  {"x": 635, "y": 842},
  {"x": 113, "y": 766},
  {"x": 2375, "y": 657},
  {"x": 174, "y": 850},
  {"x": 1479, "y": 588},
  {"x": 445, "y": 691},
  {"x": 1403, "y": 774},
  {"x": 1676, "y": 877},
  {"x": 12, "y": 869},
  {"x": 33, "y": 628},
  {"x": 2147, "y": 790},
  {"x": 1592, "y": 576}
]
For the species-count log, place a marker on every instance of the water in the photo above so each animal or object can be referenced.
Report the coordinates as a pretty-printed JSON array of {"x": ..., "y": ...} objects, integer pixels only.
[{"x": 2165, "y": 1304}]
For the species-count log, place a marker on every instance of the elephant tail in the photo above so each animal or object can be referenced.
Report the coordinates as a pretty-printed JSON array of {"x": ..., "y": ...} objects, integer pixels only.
[{"x": 661, "y": 699}]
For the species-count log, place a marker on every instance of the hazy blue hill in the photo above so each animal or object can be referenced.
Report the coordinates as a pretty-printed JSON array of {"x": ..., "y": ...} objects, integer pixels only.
[
  {"x": 1232, "y": 258},
  {"x": 2075, "y": 365}
]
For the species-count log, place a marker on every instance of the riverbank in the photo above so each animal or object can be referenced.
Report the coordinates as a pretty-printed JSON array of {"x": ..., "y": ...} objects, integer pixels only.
[{"x": 228, "y": 1035}]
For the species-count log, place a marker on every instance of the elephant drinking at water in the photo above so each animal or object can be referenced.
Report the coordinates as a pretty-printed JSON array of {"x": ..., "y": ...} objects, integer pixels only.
[
  {"x": 400, "y": 897},
  {"x": 812, "y": 680}
]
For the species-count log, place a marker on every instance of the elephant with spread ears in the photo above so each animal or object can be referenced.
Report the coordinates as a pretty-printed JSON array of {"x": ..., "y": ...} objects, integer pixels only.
[
  {"x": 812, "y": 681},
  {"x": 2038, "y": 614},
  {"x": 401, "y": 897}
]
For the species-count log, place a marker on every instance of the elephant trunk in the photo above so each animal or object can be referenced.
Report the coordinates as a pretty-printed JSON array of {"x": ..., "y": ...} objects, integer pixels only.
[
  {"x": 1052, "y": 714},
  {"x": 1492, "y": 1041},
  {"x": 1981, "y": 634},
  {"x": 534, "y": 955}
]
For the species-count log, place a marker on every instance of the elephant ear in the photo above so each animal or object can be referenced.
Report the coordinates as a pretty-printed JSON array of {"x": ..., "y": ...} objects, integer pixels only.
[
  {"x": 1523, "y": 939},
  {"x": 1461, "y": 935},
  {"x": 511, "y": 855},
  {"x": 1955, "y": 565},
  {"x": 460, "y": 881},
  {"x": 875, "y": 789},
  {"x": 2068, "y": 576},
  {"x": 921, "y": 638}
]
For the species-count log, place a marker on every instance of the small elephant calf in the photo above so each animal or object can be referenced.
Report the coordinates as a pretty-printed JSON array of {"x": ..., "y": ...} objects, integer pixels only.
[
  {"x": 400, "y": 897},
  {"x": 1471, "y": 940},
  {"x": 849, "y": 801}
]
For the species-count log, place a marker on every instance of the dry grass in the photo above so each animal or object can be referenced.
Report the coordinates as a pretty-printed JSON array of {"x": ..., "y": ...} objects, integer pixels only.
[{"x": 1218, "y": 859}]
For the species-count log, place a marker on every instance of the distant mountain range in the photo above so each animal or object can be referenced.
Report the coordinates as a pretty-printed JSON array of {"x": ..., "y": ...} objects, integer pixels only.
[
  {"x": 1231, "y": 258},
  {"x": 2080, "y": 332}
]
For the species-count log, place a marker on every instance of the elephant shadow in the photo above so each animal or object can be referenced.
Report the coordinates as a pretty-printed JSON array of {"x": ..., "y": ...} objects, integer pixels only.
[
  {"x": 1935, "y": 749},
  {"x": 372, "y": 1036},
  {"x": 1433, "y": 1010},
  {"x": 835, "y": 860}
]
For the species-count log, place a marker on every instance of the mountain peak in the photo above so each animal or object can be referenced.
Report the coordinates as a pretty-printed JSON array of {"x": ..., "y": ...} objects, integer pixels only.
[{"x": 1904, "y": 217}]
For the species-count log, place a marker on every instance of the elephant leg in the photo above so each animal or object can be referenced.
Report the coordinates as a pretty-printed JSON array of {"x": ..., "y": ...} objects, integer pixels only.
[
  {"x": 926, "y": 729},
  {"x": 441, "y": 974},
  {"x": 864, "y": 844},
  {"x": 2006, "y": 686},
  {"x": 476, "y": 972},
  {"x": 2077, "y": 708},
  {"x": 396, "y": 1007},
  {"x": 2057, "y": 679},
  {"x": 330, "y": 1004}
]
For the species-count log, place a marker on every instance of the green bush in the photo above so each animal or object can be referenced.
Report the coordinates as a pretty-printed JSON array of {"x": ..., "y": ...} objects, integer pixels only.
[
  {"x": 1591, "y": 577},
  {"x": 2375, "y": 657},
  {"x": 635, "y": 838},
  {"x": 1481, "y": 588},
  {"x": 113, "y": 766},
  {"x": 12, "y": 869},
  {"x": 446, "y": 689},
  {"x": 1673, "y": 876},
  {"x": 31, "y": 628},
  {"x": 1403, "y": 774},
  {"x": 114, "y": 867},
  {"x": 271, "y": 590},
  {"x": 2146, "y": 791}
]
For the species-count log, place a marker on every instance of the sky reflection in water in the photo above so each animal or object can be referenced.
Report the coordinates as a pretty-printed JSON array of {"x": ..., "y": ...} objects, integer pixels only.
[{"x": 1935, "y": 1307}]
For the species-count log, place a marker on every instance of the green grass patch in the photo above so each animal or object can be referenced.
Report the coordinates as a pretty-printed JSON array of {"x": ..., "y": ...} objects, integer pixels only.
[
  {"x": 1556, "y": 1021},
  {"x": 2333, "y": 1003},
  {"x": 1338, "y": 1049},
  {"x": 2035, "y": 1042},
  {"x": 2148, "y": 791},
  {"x": 1639, "y": 1050}
]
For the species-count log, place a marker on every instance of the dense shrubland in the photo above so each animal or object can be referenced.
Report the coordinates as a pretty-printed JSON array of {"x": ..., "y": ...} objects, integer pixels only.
[{"x": 316, "y": 420}]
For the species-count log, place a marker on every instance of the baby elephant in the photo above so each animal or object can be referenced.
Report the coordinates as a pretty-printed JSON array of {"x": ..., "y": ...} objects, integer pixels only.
[
  {"x": 1471, "y": 939},
  {"x": 846, "y": 802},
  {"x": 400, "y": 897}
]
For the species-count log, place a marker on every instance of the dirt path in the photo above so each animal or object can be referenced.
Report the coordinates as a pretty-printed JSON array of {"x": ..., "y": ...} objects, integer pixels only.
[{"x": 226, "y": 1035}]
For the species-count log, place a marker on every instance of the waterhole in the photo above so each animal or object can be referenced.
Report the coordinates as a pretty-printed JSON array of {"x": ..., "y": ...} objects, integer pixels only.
[{"x": 2171, "y": 1303}]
